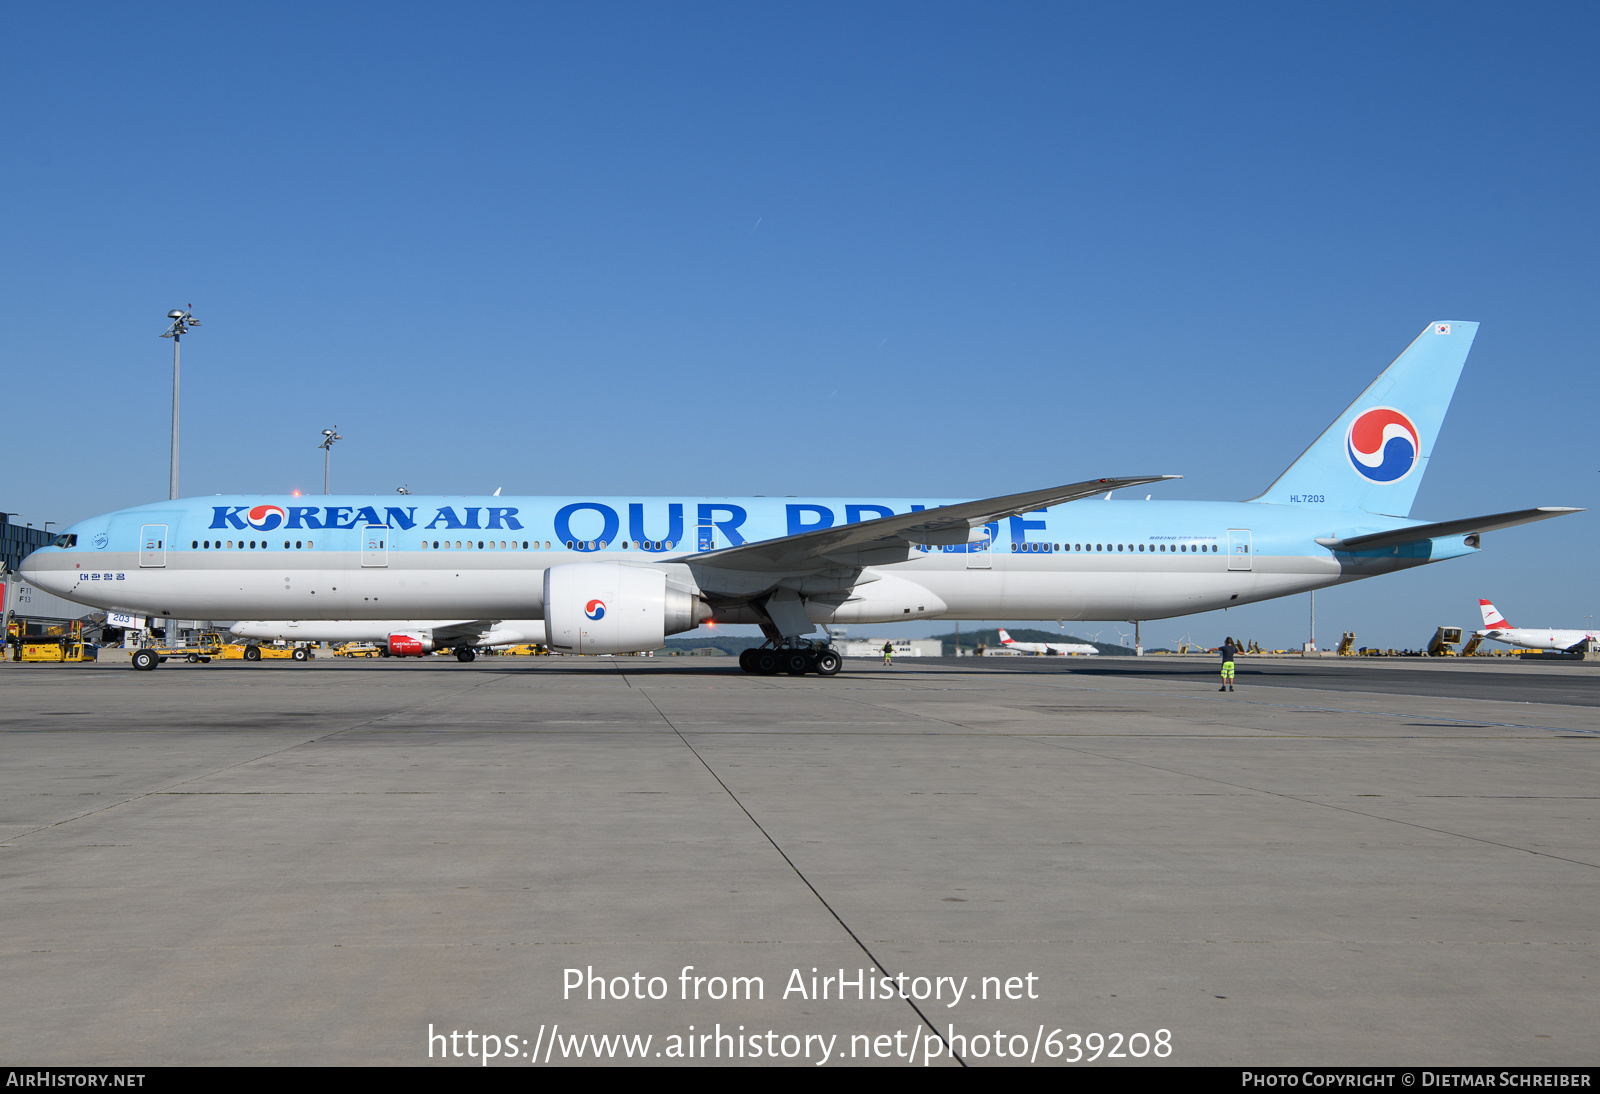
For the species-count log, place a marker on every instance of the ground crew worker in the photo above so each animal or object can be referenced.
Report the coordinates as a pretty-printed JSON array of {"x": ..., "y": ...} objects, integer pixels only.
[
  {"x": 1228, "y": 652},
  {"x": 888, "y": 651}
]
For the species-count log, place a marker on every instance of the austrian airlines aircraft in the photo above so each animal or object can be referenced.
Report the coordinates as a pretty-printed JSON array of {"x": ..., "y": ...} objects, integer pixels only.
[
  {"x": 1044, "y": 649},
  {"x": 1496, "y": 629},
  {"x": 613, "y": 575}
]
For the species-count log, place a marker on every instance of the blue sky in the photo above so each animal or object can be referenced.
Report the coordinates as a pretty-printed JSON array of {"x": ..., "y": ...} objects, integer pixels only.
[{"x": 892, "y": 249}]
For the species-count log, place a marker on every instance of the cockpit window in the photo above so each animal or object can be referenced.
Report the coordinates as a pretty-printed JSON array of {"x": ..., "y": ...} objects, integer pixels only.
[{"x": 69, "y": 539}]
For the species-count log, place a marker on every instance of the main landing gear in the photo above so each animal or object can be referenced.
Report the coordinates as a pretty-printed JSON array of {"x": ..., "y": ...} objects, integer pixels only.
[
  {"x": 465, "y": 654},
  {"x": 796, "y": 660}
]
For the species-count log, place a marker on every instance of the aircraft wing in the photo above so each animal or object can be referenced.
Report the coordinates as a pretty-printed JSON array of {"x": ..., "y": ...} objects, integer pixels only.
[
  {"x": 1469, "y": 526},
  {"x": 946, "y": 525},
  {"x": 472, "y": 628}
]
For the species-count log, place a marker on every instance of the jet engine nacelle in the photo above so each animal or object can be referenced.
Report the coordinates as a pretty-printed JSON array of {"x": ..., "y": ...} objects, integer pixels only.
[
  {"x": 612, "y": 607},
  {"x": 410, "y": 645}
]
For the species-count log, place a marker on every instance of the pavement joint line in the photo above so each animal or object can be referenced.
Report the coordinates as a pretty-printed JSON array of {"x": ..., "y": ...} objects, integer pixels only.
[
  {"x": 172, "y": 789},
  {"x": 797, "y": 872}
]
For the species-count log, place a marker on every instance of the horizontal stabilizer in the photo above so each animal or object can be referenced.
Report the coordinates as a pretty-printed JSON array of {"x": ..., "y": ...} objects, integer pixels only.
[{"x": 1467, "y": 527}]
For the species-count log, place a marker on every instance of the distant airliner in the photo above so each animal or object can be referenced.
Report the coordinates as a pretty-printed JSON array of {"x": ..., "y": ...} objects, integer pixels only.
[
  {"x": 1496, "y": 629},
  {"x": 1044, "y": 648},
  {"x": 612, "y": 575},
  {"x": 401, "y": 637}
]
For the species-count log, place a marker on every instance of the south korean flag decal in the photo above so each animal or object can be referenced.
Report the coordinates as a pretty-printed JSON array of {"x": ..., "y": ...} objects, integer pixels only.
[{"x": 1441, "y": 328}]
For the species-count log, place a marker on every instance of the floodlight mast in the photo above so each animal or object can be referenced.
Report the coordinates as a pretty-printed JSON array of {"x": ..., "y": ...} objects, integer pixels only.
[
  {"x": 182, "y": 320},
  {"x": 328, "y": 437}
]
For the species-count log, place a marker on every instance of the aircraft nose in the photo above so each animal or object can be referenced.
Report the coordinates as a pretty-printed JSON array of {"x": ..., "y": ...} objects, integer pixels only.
[{"x": 50, "y": 580}]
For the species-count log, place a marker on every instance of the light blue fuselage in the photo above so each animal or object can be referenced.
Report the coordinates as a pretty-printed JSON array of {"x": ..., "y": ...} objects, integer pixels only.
[{"x": 252, "y": 557}]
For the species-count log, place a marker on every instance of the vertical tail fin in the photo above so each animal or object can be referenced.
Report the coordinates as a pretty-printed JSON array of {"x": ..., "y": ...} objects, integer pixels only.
[
  {"x": 1005, "y": 639},
  {"x": 1374, "y": 454},
  {"x": 1492, "y": 619}
]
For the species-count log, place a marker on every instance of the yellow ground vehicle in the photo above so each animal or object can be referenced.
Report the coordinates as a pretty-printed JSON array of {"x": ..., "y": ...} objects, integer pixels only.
[
  {"x": 56, "y": 644},
  {"x": 54, "y": 649},
  {"x": 211, "y": 645},
  {"x": 253, "y": 652},
  {"x": 529, "y": 650},
  {"x": 357, "y": 649}
]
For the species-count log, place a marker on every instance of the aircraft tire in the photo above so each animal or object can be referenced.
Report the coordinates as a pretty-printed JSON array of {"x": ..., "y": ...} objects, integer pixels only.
[
  {"x": 797, "y": 664},
  {"x": 767, "y": 663},
  {"x": 252, "y": 653},
  {"x": 300, "y": 654},
  {"x": 747, "y": 660},
  {"x": 465, "y": 654},
  {"x": 144, "y": 660},
  {"x": 828, "y": 663}
]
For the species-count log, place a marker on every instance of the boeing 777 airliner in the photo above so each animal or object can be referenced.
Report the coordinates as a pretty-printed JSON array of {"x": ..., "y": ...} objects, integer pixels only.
[{"x": 612, "y": 575}]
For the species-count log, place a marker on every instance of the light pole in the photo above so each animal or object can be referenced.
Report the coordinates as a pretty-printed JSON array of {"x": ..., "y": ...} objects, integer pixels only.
[
  {"x": 328, "y": 437},
  {"x": 182, "y": 320}
]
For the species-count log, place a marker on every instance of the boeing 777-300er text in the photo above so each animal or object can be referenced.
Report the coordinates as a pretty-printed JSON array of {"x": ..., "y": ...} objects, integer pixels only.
[
  {"x": 1044, "y": 649},
  {"x": 1496, "y": 629},
  {"x": 614, "y": 575}
]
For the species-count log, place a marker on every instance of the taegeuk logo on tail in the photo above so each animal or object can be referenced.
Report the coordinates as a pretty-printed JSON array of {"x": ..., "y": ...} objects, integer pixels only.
[{"x": 1383, "y": 445}]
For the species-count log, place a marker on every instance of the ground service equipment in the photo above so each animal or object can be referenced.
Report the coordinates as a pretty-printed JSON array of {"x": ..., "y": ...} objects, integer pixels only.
[{"x": 1444, "y": 641}]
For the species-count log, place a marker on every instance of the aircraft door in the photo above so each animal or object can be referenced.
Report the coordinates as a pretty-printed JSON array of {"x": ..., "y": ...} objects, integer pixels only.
[
  {"x": 1239, "y": 549},
  {"x": 375, "y": 545},
  {"x": 153, "y": 545}
]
